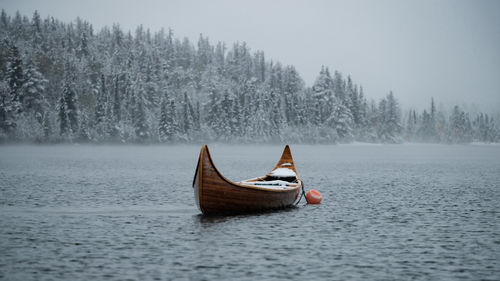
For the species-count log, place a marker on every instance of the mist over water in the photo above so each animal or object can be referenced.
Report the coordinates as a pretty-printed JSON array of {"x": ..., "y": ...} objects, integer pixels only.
[{"x": 423, "y": 212}]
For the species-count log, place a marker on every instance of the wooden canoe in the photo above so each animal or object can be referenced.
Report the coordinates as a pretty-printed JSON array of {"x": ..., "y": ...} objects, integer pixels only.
[{"x": 214, "y": 194}]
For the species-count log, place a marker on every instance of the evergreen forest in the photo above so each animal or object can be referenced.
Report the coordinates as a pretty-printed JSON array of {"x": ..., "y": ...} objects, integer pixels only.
[{"x": 66, "y": 82}]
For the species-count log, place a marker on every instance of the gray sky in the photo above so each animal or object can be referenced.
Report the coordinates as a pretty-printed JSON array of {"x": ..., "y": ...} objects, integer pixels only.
[{"x": 449, "y": 50}]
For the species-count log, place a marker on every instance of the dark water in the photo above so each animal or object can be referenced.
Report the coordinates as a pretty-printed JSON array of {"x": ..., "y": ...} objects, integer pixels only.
[{"x": 397, "y": 212}]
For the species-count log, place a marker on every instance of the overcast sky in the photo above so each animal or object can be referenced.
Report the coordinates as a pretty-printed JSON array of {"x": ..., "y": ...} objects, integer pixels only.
[{"x": 449, "y": 50}]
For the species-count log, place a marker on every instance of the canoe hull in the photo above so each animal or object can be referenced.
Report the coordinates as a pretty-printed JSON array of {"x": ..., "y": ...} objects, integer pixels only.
[{"x": 214, "y": 194}]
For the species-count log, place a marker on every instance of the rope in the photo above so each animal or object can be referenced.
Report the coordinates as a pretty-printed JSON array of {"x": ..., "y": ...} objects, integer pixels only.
[{"x": 303, "y": 194}]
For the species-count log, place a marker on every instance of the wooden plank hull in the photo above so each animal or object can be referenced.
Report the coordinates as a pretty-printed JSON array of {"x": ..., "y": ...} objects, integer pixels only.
[{"x": 214, "y": 194}]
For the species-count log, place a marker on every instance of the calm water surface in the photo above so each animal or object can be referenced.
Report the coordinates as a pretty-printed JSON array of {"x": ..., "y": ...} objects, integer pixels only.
[{"x": 390, "y": 212}]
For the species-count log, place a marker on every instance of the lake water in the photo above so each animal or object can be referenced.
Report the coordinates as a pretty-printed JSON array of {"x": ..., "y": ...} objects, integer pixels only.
[{"x": 389, "y": 212}]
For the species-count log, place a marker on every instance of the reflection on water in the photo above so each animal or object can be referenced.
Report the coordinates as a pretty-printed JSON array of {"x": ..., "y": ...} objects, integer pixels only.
[
  {"x": 113, "y": 213},
  {"x": 208, "y": 220}
]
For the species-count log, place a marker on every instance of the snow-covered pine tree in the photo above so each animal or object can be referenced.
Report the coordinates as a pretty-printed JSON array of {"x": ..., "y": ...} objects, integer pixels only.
[
  {"x": 235, "y": 118},
  {"x": 63, "y": 117},
  {"x": 15, "y": 78},
  {"x": 163, "y": 127},
  {"x": 339, "y": 87},
  {"x": 260, "y": 66},
  {"x": 100, "y": 94},
  {"x": 46, "y": 125},
  {"x": 363, "y": 108},
  {"x": 204, "y": 53},
  {"x": 173, "y": 131},
  {"x": 432, "y": 122},
  {"x": 84, "y": 133},
  {"x": 456, "y": 133},
  {"x": 488, "y": 133},
  {"x": 220, "y": 57},
  {"x": 341, "y": 121},
  {"x": 117, "y": 101},
  {"x": 355, "y": 105},
  {"x": 349, "y": 89},
  {"x": 197, "y": 117},
  {"x": 187, "y": 118},
  {"x": 71, "y": 108},
  {"x": 5, "y": 110},
  {"x": 393, "y": 119},
  {"x": 468, "y": 136},
  {"x": 193, "y": 116},
  {"x": 411, "y": 126},
  {"x": 292, "y": 87},
  {"x": 140, "y": 124},
  {"x": 382, "y": 128},
  {"x": 4, "y": 22},
  {"x": 33, "y": 91},
  {"x": 213, "y": 107},
  {"x": 323, "y": 97},
  {"x": 333, "y": 112},
  {"x": 425, "y": 130},
  {"x": 113, "y": 112},
  {"x": 223, "y": 127},
  {"x": 36, "y": 30},
  {"x": 260, "y": 120},
  {"x": 275, "y": 112},
  {"x": 83, "y": 49}
]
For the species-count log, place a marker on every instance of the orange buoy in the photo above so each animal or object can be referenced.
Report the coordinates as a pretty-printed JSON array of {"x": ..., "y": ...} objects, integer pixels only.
[{"x": 313, "y": 197}]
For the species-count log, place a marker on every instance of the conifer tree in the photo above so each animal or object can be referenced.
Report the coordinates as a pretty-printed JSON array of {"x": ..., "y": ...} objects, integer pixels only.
[
  {"x": 63, "y": 117},
  {"x": 15, "y": 79},
  {"x": 33, "y": 91},
  {"x": 71, "y": 111},
  {"x": 163, "y": 128},
  {"x": 457, "y": 125},
  {"x": 140, "y": 124},
  {"x": 84, "y": 134},
  {"x": 341, "y": 120},
  {"x": 117, "y": 101},
  {"x": 172, "y": 131},
  {"x": 100, "y": 105},
  {"x": 187, "y": 120}
]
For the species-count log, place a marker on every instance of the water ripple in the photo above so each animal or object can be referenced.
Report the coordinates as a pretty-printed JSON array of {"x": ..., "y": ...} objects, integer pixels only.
[{"x": 128, "y": 213}]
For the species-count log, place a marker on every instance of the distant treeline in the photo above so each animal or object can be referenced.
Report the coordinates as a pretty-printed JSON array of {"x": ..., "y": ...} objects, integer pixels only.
[{"x": 65, "y": 82}]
